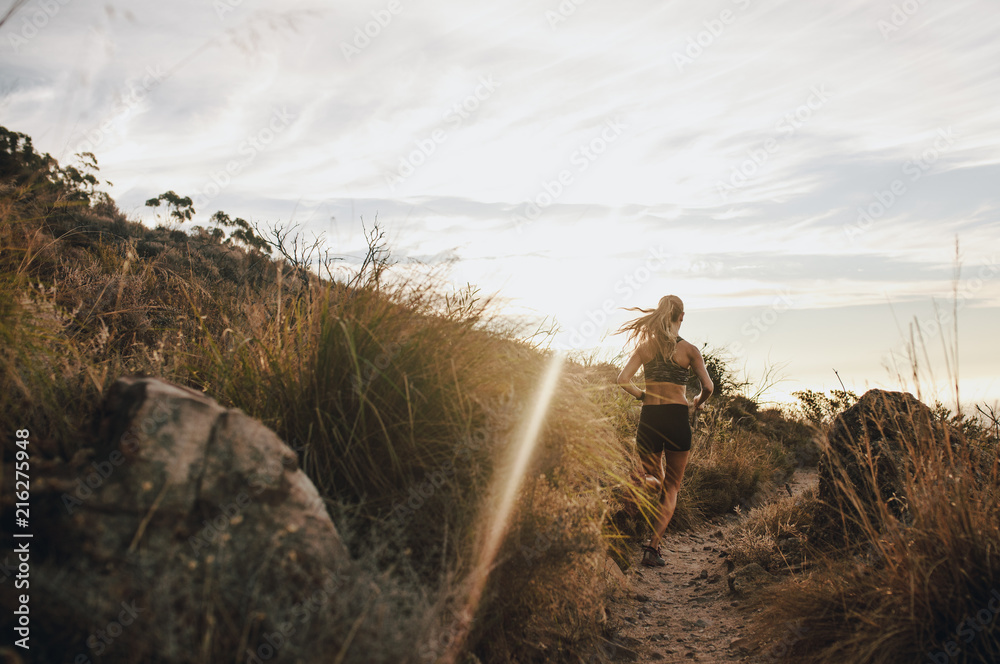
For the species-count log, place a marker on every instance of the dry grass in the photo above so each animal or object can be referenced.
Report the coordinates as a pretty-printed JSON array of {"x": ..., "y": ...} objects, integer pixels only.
[
  {"x": 401, "y": 402},
  {"x": 919, "y": 586},
  {"x": 776, "y": 534}
]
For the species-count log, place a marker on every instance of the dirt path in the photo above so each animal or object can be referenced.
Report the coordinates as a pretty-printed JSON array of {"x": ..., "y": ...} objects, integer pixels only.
[{"x": 685, "y": 612}]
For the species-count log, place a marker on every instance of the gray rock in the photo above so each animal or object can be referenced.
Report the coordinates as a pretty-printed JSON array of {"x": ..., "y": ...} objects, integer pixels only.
[
  {"x": 748, "y": 579},
  {"x": 881, "y": 425},
  {"x": 196, "y": 517}
]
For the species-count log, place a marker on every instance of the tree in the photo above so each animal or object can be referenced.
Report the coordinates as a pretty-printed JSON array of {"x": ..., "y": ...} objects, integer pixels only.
[
  {"x": 819, "y": 408},
  {"x": 81, "y": 181},
  {"x": 244, "y": 232},
  {"x": 41, "y": 174},
  {"x": 181, "y": 209}
]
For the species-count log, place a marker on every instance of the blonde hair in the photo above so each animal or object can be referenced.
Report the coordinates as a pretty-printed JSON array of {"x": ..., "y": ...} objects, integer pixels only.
[{"x": 655, "y": 325}]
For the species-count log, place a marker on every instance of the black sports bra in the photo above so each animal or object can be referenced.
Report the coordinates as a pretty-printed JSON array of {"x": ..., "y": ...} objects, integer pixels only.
[{"x": 660, "y": 370}]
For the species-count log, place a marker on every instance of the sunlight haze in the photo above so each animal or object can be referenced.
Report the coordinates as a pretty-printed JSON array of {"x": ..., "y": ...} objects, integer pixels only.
[{"x": 798, "y": 173}]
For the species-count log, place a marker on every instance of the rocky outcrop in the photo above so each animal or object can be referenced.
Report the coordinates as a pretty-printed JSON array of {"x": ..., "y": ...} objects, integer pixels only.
[
  {"x": 870, "y": 449},
  {"x": 745, "y": 581},
  {"x": 187, "y": 533}
]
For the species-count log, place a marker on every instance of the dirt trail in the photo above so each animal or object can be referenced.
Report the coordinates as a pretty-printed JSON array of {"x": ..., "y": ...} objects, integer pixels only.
[{"x": 685, "y": 612}]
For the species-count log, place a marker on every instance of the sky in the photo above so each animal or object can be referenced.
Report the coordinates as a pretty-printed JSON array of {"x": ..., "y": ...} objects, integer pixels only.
[{"x": 817, "y": 181}]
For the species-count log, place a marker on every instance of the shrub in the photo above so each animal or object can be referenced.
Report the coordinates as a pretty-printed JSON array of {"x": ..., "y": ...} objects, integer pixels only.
[
  {"x": 904, "y": 588},
  {"x": 386, "y": 388}
]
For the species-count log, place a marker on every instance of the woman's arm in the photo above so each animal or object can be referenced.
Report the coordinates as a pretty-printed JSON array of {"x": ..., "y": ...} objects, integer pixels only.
[
  {"x": 707, "y": 386},
  {"x": 625, "y": 377}
]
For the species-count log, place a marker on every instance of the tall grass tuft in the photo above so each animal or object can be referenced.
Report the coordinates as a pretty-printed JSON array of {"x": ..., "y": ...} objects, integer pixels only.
[
  {"x": 401, "y": 401},
  {"x": 403, "y": 405},
  {"x": 921, "y": 584}
]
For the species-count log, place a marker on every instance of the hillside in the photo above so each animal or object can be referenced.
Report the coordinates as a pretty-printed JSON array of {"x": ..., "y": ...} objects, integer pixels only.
[{"x": 406, "y": 406}]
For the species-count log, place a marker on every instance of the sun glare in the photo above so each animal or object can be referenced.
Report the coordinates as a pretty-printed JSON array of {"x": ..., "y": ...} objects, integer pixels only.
[{"x": 506, "y": 485}]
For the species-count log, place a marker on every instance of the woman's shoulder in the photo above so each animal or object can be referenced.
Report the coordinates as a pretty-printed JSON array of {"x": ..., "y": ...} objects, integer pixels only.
[
  {"x": 687, "y": 349},
  {"x": 647, "y": 351}
]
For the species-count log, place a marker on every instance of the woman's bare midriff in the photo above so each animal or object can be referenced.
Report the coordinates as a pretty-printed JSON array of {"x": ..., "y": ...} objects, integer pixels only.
[{"x": 662, "y": 393}]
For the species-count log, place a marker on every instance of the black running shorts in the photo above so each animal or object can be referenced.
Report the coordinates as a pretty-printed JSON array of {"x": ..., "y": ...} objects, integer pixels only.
[{"x": 664, "y": 427}]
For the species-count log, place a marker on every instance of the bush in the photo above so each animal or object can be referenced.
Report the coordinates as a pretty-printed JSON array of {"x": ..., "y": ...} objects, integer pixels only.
[
  {"x": 404, "y": 406},
  {"x": 903, "y": 588},
  {"x": 776, "y": 535}
]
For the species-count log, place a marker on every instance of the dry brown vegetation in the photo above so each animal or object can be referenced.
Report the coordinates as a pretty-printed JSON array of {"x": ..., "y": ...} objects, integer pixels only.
[
  {"x": 911, "y": 579},
  {"x": 401, "y": 401}
]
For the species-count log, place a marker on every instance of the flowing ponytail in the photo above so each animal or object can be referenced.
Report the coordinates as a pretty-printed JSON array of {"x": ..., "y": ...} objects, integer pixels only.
[{"x": 655, "y": 325}]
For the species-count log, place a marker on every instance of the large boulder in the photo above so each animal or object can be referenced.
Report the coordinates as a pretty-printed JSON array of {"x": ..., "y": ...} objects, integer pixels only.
[
  {"x": 871, "y": 446},
  {"x": 186, "y": 533}
]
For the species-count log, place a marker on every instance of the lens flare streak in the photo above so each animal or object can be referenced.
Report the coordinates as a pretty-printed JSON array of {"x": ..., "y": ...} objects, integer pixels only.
[{"x": 507, "y": 484}]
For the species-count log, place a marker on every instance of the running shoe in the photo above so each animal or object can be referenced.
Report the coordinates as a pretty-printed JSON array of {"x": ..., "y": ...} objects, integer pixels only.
[{"x": 652, "y": 558}]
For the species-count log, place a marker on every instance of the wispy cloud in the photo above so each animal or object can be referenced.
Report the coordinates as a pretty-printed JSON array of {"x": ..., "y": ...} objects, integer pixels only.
[{"x": 756, "y": 135}]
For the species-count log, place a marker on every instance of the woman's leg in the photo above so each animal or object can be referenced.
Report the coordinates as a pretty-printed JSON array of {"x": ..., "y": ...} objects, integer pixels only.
[
  {"x": 652, "y": 471},
  {"x": 676, "y": 462}
]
